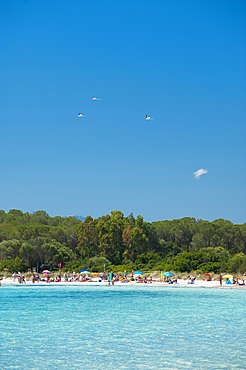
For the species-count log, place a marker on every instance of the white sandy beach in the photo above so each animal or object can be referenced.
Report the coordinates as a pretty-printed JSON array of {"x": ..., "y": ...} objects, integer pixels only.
[{"x": 180, "y": 283}]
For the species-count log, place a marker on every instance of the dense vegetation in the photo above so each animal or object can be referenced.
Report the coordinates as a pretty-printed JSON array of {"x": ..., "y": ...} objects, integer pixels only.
[{"x": 119, "y": 243}]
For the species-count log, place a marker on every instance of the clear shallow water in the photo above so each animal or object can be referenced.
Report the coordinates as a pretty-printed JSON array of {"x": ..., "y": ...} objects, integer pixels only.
[{"x": 121, "y": 327}]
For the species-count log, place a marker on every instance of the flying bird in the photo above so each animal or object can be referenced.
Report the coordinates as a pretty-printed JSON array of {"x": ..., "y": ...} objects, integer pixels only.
[
  {"x": 95, "y": 99},
  {"x": 82, "y": 115},
  {"x": 148, "y": 118},
  {"x": 199, "y": 173}
]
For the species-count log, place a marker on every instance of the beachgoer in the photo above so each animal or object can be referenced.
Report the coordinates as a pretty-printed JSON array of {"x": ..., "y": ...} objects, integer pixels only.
[
  {"x": 14, "y": 276},
  {"x": 101, "y": 276},
  {"x": 110, "y": 277}
]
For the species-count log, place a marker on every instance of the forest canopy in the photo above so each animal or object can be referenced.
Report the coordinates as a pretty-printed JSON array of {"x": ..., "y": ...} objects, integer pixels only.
[{"x": 117, "y": 242}]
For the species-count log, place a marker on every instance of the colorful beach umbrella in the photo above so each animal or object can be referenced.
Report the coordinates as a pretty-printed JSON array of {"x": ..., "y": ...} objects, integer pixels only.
[
  {"x": 84, "y": 271},
  {"x": 206, "y": 274},
  {"x": 168, "y": 274},
  {"x": 46, "y": 272},
  {"x": 227, "y": 276},
  {"x": 137, "y": 272}
]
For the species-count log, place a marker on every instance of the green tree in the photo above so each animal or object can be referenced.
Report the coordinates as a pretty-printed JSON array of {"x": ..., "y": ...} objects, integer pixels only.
[
  {"x": 237, "y": 263},
  {"x": 27, "y": 253},
  {"x": 9, "y": 249},
  {"x": 12, "y": 265},
  {"x": 88, "y": 238}
]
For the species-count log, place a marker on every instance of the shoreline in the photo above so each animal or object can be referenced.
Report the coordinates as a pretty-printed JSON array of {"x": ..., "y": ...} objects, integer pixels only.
[{"x": 180, "y": 284}]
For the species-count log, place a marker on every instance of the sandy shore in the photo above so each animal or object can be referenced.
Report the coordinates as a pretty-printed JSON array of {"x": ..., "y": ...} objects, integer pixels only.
[{"x": 180, "y": 283}]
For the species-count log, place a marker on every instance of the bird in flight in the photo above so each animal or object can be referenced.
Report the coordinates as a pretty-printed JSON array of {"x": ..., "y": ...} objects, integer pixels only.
[
  {"x": 148, "y": 118},
  {"x": 95, "y": 99},
  {"x": 82, "y": 115}
]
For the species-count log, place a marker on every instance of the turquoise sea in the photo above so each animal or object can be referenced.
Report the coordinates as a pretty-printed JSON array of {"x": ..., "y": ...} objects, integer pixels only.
[{"x": 121, "y": 327}]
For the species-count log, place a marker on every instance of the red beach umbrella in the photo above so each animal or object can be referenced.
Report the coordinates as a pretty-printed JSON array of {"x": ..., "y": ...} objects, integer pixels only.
[{"x": 206, "y": 274}]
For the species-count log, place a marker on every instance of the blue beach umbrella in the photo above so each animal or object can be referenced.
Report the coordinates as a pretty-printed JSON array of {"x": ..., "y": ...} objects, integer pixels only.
[
  {"x": 168, "y": 274},
  {"x": 85, "y": 271},
  {"x": 137, "y": 272}
]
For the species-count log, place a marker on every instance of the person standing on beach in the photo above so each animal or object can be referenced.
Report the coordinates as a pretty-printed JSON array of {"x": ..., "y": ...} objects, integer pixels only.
[
  {"x": 220, "y": 280},
  {"x": 19, "y": 277}
]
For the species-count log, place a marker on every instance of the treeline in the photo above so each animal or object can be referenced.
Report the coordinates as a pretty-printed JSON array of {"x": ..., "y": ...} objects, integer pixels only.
[
  {"x": 36, "y": 240},
  {"x": 117, "y": 242}
]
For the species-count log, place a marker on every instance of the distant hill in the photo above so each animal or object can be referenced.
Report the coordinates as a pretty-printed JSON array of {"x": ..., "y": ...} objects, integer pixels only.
[{"x": 80, "y": 218}]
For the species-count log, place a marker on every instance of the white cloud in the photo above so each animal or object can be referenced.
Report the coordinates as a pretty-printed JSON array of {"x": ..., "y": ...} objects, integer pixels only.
[{"x": 200, "y": 172}]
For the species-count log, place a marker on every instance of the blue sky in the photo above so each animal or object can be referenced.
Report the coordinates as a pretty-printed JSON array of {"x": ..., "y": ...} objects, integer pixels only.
[{"x": 182, "y": 62}]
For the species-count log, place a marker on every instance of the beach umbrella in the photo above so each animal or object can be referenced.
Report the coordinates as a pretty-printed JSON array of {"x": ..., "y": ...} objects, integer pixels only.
[
  {"x": 206, "y": 274},
  {"x": 95, "y": 273},
  {"x": 137, "y": 273},
  {"x": 46, "y": 272},
  {"x": 227, "y": 276},
  {"x": 84, "y": 271},
  {"x": 168, "y": 274}
]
